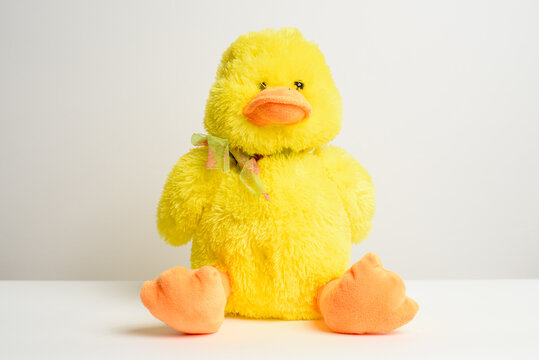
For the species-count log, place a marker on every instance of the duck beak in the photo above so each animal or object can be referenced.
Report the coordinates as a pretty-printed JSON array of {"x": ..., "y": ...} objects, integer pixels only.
[{"x": 277, "y": 105}]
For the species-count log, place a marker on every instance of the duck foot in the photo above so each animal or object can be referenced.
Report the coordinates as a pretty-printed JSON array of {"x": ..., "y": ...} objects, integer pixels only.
[
  {"x": 367, "y": 299},
  {"x": 190, "y": 301}
]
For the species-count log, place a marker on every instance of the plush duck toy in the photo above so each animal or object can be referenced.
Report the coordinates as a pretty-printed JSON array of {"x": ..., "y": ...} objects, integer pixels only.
[{"x": 272, "y": 209}]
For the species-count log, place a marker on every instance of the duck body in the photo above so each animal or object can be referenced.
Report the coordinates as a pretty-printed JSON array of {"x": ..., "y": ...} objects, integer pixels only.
[
  {"x": 277, "y": 253},
  {"x": 271, "y": 207}
]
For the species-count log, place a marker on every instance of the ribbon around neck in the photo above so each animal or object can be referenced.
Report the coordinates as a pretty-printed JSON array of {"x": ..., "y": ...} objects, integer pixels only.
[{"x": 221, "y": 157}]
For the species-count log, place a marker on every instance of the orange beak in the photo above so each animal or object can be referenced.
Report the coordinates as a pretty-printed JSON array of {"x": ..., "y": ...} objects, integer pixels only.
[{"x": 277, "y": 105}]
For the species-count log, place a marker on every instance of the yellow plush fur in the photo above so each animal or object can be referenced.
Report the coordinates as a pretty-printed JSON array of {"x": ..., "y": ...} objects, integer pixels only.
[{"x": 278, "y": 253}]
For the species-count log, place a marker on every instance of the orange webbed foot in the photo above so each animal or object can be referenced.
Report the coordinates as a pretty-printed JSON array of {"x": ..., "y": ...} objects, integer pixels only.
[
  {"x": 367, "y": 299},
  {"x": 190, "y": 301}
]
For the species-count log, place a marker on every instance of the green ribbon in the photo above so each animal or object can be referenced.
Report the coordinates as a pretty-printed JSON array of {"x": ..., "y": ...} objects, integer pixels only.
[{"x": 221, "y": 156}]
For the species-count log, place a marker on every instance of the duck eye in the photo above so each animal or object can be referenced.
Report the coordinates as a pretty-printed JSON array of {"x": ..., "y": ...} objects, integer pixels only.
[
  {"x": 299, "y": 85},
  {"x": 262, "y": 85}
]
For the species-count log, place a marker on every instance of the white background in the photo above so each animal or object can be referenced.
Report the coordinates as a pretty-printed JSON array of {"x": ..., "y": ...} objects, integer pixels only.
[{"x": 99, "y": 99}]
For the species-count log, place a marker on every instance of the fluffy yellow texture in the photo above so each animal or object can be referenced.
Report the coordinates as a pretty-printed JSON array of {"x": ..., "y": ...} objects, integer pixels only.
[
  {"x": 278, "y": 253},
  {"x": 278, "y": 58}
]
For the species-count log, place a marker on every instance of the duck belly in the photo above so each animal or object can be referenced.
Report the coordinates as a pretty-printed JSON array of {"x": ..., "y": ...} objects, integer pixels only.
[{"x": 278, "y": 253}]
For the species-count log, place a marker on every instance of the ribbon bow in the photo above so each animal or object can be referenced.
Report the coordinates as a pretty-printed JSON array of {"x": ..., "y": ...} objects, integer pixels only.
[{"x": 221, "y": 156}]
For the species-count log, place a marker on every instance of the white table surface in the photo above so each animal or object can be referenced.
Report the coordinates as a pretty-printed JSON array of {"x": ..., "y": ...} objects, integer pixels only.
[{"x": 105, "y": 320}]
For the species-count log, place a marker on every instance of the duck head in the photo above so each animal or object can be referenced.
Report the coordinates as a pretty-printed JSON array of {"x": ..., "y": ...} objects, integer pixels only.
[{"x": 273, "y": 92}]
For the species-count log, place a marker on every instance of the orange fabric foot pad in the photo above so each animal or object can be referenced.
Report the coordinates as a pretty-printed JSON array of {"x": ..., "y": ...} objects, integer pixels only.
[
  {"x": 190, "y": 301},
  {"x": 367, "y": 299}
]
